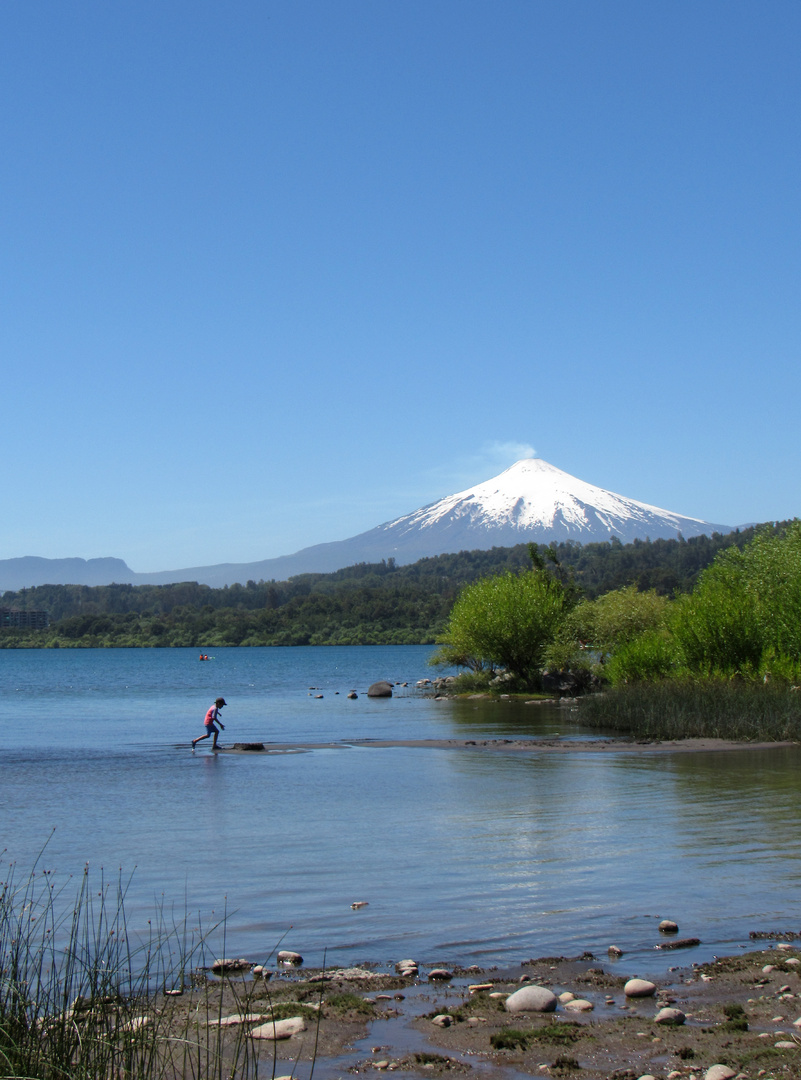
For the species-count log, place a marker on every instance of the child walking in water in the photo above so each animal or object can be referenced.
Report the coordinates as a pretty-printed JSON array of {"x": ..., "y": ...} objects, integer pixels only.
[{"x": 211, "y": 729}]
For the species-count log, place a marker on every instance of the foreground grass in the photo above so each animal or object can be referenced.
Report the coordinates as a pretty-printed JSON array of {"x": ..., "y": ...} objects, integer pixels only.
[
  {"x": 711, "y": 709},
  {"x": 80, "y": 997}
]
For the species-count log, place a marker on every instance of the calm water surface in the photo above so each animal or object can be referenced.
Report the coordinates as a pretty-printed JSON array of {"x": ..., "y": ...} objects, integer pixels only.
[{"x": 464, "y": 856}]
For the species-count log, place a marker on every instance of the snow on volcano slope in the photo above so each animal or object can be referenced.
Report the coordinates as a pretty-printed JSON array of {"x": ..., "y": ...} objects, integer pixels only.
[{"x": 532, "y": 500}]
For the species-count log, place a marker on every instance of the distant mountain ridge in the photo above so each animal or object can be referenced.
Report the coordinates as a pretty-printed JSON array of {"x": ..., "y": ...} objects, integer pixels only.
[{"x": 530, "y": 501}]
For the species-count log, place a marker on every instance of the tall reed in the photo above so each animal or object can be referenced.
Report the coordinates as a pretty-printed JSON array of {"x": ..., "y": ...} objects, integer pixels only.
[
  {"x": 83, "y": 997},
  {"x": 697, "y": 708}
]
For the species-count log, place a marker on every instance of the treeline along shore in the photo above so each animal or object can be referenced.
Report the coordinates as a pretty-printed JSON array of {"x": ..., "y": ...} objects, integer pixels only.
[{"x": 366, "y": 604}]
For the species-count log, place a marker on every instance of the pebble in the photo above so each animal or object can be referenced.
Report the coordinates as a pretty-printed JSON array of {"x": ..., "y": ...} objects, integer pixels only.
[
  {"x": 670, "y": 1016},
  {"x": 719, "y": 1072},
  {"x": 406, "y": 967},
  {"x": 579, "y": 1005},
  {"x": 785, "y": 1044},
  {"x": 793, "y": 962},
  {"x": 478, "y": 988},
  {"x": 785, "y": 946},
  {"x": 443, "y": 1020},
  {"x": 567, "y": 996},
  {"x": 639, "y": 988},
  {"x": 136, "y": 1022},
  {"x": 440, "y": 975},
  {"x": 766, "y": 970},
  {"x": 667, "y": 926},
  {"x": 614, "y": 951},
  {"x": 531, "y": 999}
]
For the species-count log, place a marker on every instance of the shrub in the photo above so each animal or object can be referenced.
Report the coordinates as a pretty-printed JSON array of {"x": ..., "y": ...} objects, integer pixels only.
[{"x": 505, "y": 621}]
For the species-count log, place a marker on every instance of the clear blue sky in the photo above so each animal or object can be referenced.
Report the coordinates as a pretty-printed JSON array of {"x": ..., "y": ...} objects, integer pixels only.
[{"x": 275, "y": 272}]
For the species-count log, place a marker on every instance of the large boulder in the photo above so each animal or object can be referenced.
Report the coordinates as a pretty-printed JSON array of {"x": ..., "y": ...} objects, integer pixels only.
[
  {"x": 380, "y": 689},
  {"x": 279, "y": 1029},
  {"x": 531, "y": 999}
]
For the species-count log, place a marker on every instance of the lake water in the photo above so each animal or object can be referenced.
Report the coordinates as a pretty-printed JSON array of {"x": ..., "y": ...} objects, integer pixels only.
[{"x": 463, "y": 856}]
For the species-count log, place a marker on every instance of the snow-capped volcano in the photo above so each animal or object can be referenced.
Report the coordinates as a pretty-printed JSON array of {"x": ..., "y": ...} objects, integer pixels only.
[
  {"x": 530, "y": 501},
  {"x": 533, "y": 500}
]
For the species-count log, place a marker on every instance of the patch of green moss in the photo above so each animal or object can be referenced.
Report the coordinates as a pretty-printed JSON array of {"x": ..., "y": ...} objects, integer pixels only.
[{"x": 347, "y": 1002}]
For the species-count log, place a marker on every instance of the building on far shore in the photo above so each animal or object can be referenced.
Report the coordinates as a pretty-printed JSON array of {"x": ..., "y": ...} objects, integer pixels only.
[{"x": 12, "y": 619}]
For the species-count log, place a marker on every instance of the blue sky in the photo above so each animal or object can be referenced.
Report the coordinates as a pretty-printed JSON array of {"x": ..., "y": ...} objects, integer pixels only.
[{"x": 276, "y": 272}]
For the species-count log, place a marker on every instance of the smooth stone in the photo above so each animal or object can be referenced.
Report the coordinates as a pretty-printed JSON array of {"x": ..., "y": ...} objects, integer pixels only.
[
  {"x": 646, "y": 1076},
  {"x": 579, "y": 1005},
  {"x": 639, "y": 988},
  {"x": 785, "y": 946},
  {"x": 287, "y": 957},
  {"x": 785, "y": 1044},
  {"x": 479, "y": 988},
  {"x": 766, "y": 970},
  {"x": 380, "y": 689},
  {"x": 443, "y": 1020},
  {"x": 440, "y": 975},
  {"x": 220, "y": 966},
  {"x": 352, "y": 695},
  {"x": 614, "y": 951},
  {"x": 670, "y": 1016},
  {"x": 567, "y": 996},
  {"x": 531, "y": 999},
  {"x": 719, "y": 1072},
  {"x": 279, "y": 1029},
  {"x": 667, "y": 926},
  {"x": 237, "y": 1018},
  {"x": 136, "y": 1022},
  {"x": 793, "y": 962}
]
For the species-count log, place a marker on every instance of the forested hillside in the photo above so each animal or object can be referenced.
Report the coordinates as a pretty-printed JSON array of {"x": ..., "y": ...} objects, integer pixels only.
[{"x": 371, "y": 603}]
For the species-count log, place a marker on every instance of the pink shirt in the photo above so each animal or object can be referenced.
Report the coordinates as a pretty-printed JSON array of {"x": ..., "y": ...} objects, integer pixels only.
[{"x": 211, "y": 715}]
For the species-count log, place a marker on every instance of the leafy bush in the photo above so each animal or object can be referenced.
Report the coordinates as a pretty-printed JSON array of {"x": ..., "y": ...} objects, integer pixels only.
[
  {"x": 647, "y": 658},
  {"x": 505, "y": 621}
]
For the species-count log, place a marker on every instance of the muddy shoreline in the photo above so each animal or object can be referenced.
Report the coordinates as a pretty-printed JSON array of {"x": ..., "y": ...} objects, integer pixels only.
[
  {"x": 549, "y": 745},
  {"x": 739, "y": 1012}
]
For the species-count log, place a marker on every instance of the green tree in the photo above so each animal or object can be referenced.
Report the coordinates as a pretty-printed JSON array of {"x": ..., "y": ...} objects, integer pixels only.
[
  {"x": 505, "y": 621},
  {"x": 745, "y": 613}
]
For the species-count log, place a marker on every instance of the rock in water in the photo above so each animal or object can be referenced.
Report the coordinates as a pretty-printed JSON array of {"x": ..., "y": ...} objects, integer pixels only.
[
  {"x": 380, "y": 689},
  {"x": 531, "y": 999},
  {"x": 639, "y": 988},
  {"x": 288, "y": 957}
]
